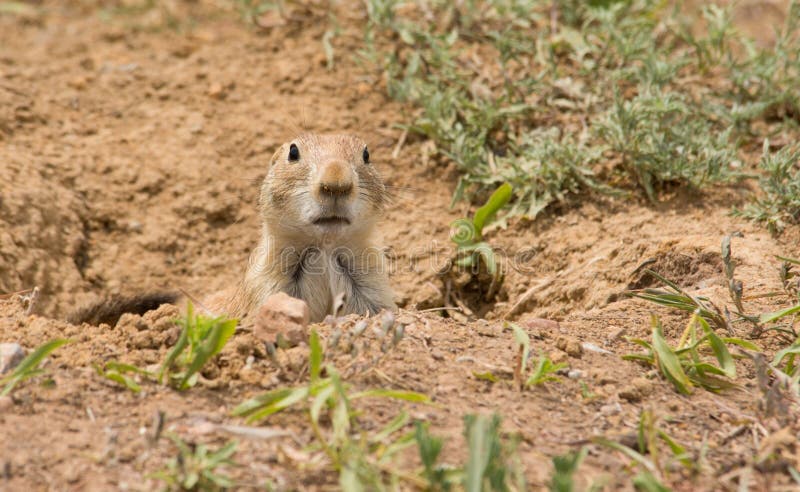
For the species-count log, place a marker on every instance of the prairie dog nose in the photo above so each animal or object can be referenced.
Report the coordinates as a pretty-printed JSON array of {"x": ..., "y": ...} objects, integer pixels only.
[{"x": 335, "y": 180}]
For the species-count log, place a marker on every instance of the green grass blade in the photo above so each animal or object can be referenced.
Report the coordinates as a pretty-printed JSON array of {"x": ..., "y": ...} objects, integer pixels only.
[
  {"x": 770, "y": 317},
  {"x": 320, "y": 400},
  {"x": 393, "y": 426},
  {"x": 260, "y": 401},
  {"x": 175, "y": 351},
  {"x": 315, "y": 356},
  {"x": 630, "y": 453},
  {"x": 793, "y": 349},
  {"x": 216, "y": 339},
  {"x": 524, "y": 341},
  {"x": 678, "y": 451},
  {"x": 28, "y": 367},
  {"x": 485, "y": 251},
  {"x": 742, "y": 343},
  {"x": 479, "y": 453},
  {"x": 498, "y": 200},
  {"x": 294, "y": 396},
  {"x": 669, "y": 363},
  {"x": 411, "y": 396},
  {"x": 719, "y": 348},
  {"x": 122, "y": 379},
  {"x": 37, "y": 356},
  {"x": 16, "y": 8}
]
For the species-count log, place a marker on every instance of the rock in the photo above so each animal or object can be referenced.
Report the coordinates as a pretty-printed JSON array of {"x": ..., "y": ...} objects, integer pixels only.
[
  {"x": 542, "y": 326},
  {"x": 638, "y": 389},
  {"x": 11, "y": 354},
  {"x": 644, "y": 385},
  {"x": 630, "y": 393},
  {"x": 285, "y": 315},
  {"x": 249, "y": 375},
  {"x": 569, "y": 345},
  {"x": 611, "y": 409},
  {"x": 78, "y": 83},
  {"x": 437, "y": 354},
  {"x": 293, "y": 360},
  {"x": 575, "y": 374},
  {"x": 590, "y": 347},
  {"x": 5, "y": 403},
  {"x": 216, "y": 91}
]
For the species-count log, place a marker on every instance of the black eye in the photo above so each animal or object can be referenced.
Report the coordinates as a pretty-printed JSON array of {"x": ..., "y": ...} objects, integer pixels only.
[
  {"x": 366, "y": 156},
  {"x": 294, "y": 152}
]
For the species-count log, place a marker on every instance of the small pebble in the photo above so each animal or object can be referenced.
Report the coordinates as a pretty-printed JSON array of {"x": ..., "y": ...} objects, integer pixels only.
[
  {"x": 11, "y": 354},
  {"x": 611, "y": 409},
  {"x": 575, "y": 374},
  {"x": 590, "y": 347}
]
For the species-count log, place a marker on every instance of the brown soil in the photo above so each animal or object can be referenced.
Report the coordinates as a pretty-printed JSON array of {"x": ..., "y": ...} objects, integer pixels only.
[{"x": 132, "y": 145}]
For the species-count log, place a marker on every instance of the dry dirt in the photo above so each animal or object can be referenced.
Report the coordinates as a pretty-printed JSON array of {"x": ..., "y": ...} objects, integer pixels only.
[{"x": 131, "y": 147}]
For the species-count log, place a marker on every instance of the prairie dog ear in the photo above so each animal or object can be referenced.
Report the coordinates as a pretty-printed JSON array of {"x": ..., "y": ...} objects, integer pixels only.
[{"x": 276, "y": 156}]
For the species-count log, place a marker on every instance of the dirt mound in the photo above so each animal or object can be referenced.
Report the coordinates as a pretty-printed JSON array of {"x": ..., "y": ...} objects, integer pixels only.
[{"x": 43, "y": 238}]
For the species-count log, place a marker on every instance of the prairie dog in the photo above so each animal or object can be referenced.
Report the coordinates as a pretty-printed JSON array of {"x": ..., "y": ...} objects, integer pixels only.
[{"x": 319, "y": 203}]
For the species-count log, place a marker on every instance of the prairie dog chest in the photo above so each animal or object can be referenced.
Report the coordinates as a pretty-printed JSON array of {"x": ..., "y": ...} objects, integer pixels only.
[{"x": 320, "y": 274}]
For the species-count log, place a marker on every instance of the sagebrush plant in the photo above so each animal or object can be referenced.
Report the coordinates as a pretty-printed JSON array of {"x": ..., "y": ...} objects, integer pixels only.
[
  {"x": 29, "y": 366},
  {"x": 778, "y": 206},
  {"x": 603, "y": 96}
]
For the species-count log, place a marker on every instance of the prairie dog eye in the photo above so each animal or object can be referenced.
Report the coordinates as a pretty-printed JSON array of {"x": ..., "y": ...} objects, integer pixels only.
[
  {"x": 294, "y": 152},
  {"x": 366, "y": 156}
]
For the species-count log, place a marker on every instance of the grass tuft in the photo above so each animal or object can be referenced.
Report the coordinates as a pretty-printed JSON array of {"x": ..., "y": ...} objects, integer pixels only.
[
  {"x": 563, "y": 98},
  {"x": 29, "y": 366}
]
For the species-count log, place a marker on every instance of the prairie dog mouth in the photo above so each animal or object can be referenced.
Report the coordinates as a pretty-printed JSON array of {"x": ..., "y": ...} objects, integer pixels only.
[{"x": 332, "y": 220}]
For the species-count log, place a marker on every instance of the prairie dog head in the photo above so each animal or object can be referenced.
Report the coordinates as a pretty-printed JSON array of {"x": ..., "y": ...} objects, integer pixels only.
[{"x": 322, "y": 187}]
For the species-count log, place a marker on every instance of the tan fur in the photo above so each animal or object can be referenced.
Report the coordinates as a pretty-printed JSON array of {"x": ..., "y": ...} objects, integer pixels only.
[{"x": 315, "y": 261}]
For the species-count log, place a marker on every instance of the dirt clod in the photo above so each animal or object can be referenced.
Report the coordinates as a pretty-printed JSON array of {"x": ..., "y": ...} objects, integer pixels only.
[
  {"x": 540, "y": 327},
  {"x": 570, "y": 345},
  {"x": 284, "y": 315},
  {"x": 637, "y": 390}
]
